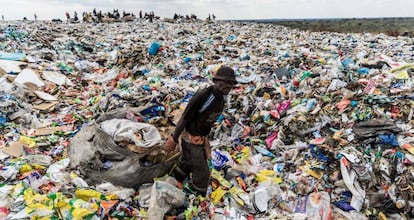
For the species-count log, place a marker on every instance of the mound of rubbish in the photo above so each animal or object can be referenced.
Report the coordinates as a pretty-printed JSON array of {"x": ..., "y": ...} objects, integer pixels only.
[{"x": 319, "y": 126}]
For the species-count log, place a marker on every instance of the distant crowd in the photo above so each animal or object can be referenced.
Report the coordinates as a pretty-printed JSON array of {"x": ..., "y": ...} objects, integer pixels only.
[
  {"x": 114, "y": 16},
  {"x": 192, "y": 17}
]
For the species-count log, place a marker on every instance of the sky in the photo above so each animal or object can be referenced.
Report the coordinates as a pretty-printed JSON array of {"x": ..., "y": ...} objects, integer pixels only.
[{"x": 222, "y": 9}]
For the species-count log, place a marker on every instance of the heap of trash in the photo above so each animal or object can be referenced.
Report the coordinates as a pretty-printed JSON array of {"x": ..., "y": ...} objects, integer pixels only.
[{"x": 319, "y": 126}]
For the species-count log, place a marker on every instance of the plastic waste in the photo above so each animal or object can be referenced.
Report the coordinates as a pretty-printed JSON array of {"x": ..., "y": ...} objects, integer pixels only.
[
  {"x": 260, "y": 199},
  {"x": 318, "y": 122},
  {"x": 12, "y": 56},
  {"x": 163, "y": 197},
  {"x": 153, "y": 49}
]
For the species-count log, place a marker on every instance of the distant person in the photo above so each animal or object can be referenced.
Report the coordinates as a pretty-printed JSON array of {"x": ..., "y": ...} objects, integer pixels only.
[
  {"x": 116, "y": 14},
  {"x": 67, "y": 16},
  {"x": 2, "y": 17},
  {"x": 84, "y": 16},
  {"x": 100, "y": 16},
  {"x": 75, "y": 16},
  {"x": 35, "y": 16},
  {"x": 140, "y": 14},
  {"x": 214, "y": 17}
]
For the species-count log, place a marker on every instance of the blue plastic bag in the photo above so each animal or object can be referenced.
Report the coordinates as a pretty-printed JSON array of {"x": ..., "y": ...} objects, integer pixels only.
[
  {"x": 388, "y": 139},
  {"x": 153, "y": 50},
  {"x": 219, "y": 160},
  {"x": 317, "y": 153},
  {"x": 347, "y": 62},
  {"x": 363, "y": 71},
  {"x": 344, "y": 205},
  {"x": 187, "y": 59},
  {"x": 153, "y": 111},
  {"x": 3, "y": 120}
]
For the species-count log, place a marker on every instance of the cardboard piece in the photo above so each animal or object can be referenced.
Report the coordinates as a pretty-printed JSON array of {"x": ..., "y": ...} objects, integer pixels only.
[
  {"x": 46, "y": 106},
  {"x": 55, "y": 77},
  {"x": 45, "y": 96},
  {"x": 31, "y": 86},
  {"x": 49, "y": 131},
  {"x": 29, "y": 75},
  {"x": 10, "y": 66},
  {"x": 15, "y": 149}
]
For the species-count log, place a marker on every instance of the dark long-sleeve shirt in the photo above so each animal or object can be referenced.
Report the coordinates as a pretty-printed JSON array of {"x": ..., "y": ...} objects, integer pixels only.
[{"x": 201, "y": 112}]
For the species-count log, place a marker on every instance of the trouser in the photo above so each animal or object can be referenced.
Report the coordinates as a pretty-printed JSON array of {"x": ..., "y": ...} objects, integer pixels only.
[{"x": 193, "y": 160}]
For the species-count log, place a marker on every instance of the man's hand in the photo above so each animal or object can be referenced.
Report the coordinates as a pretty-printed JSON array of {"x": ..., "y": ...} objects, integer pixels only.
[{"x": 170, "y": 144}]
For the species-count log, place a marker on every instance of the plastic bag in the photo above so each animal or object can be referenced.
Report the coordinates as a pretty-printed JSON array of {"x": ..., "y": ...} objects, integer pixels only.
[
  {"x": 163, "y": 197},
  {"x": 318, "y": 206},
  {"x": 153, "y": 50}
]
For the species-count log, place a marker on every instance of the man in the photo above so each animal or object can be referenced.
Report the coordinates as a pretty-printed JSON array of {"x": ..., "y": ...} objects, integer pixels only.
[
  {"x": 75, "y": 16},
  {"x": 67, "y": 16},
  {"x": 194, "y": 126}
]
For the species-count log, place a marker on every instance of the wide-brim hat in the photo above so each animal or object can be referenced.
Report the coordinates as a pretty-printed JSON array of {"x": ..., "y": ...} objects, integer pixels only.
[{"x": 225, "y": 73}]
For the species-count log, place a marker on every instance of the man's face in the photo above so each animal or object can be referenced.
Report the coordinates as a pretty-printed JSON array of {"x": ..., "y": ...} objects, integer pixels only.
[{"x": 224, "y": 86}]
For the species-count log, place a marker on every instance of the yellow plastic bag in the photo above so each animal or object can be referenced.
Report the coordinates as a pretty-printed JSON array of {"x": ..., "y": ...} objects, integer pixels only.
[
  {"x": 25, "y": 168},
  {"x": 223, "y": 182},
  {"x": 87, "y": 194},
  {"x": 315, "y": 173},
  {"x": 243, "y": 155},
  {"x": 217, "y": 195},
  {"x": 234, "y": 192},
  {"x": 265, "y": 175},
  {"x": 39, "y": 206},
  {"x": 79, "y": 209},
  {"x": 29, "y": 141}
]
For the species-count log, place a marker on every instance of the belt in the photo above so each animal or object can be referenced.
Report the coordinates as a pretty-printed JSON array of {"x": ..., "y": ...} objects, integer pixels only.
[{"x": 193, "y": 139}]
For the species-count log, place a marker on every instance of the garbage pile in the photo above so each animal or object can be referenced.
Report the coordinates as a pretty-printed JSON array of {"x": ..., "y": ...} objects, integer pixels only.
[{"x": 318, "y": 127}]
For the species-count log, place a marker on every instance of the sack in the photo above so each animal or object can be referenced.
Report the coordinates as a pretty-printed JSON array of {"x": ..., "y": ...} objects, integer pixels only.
[{"x": 100, "y": 159}]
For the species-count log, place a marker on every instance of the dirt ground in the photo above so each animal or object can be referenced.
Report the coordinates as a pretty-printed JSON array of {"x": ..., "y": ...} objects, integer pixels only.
[{"x": 389, "y": 26}]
